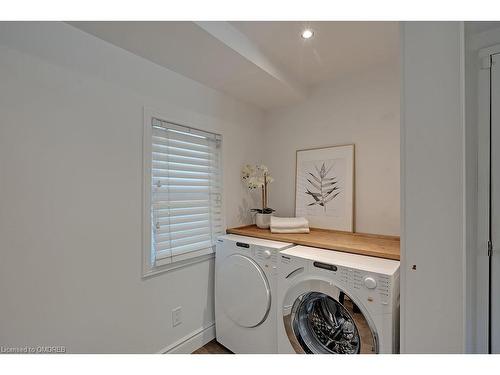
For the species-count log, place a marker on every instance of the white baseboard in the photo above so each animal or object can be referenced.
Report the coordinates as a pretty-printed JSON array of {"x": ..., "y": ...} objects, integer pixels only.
[{"x": 191, "y": 342}]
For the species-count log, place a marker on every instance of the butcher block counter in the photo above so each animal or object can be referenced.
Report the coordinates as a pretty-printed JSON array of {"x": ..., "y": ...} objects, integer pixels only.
[{"x": 357, "y": 243}]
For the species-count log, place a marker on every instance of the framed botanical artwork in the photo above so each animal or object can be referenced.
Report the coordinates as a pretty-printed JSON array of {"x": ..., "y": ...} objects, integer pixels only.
[{"x": 324, "y": 187}]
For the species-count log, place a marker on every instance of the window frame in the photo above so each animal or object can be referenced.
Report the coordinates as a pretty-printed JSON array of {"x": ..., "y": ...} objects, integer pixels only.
[{"x": 148, "y": 268}]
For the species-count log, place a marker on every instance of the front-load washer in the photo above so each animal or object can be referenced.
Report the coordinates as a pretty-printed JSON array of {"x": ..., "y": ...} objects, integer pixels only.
[
  {"x": 245, "y": 293},
  {"x": 336, "y": 302}
]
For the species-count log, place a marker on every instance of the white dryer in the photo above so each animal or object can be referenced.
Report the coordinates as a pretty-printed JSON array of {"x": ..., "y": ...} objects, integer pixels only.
[
  {"x": 335, "y": 302},
  {"x": 245, "y": 293}
]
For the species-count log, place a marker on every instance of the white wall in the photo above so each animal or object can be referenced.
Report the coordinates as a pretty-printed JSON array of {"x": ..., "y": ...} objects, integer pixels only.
[
  {"x": 362, "y": 109},
  {"x": 432, "y": 155},
  {"x": 70, "y": 192}
]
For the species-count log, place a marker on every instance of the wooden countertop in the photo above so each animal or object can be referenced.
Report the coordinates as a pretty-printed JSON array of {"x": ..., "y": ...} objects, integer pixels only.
[{"x": 357, "y": 243}]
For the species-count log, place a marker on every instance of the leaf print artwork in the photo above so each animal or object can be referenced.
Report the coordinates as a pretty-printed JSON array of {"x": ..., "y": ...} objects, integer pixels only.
[{"x": 324, "y": 188}]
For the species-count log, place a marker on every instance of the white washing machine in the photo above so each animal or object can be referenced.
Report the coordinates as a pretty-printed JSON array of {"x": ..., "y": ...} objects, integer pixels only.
[
  {"x": 335, "y": 302},
  {"x": 245, "y": 293}
]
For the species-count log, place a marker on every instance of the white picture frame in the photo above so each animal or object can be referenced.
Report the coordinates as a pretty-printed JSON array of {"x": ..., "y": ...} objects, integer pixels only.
[{"x": 324, "y": 187}]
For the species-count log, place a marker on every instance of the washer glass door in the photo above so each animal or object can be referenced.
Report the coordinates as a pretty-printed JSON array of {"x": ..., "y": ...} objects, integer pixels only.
[{"x": 329, "y": 322}]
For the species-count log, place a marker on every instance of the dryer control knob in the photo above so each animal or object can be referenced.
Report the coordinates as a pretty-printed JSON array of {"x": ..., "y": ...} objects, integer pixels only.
[
  {"x": 370, "y": 282},
  {"x": 267, "y": 254}
]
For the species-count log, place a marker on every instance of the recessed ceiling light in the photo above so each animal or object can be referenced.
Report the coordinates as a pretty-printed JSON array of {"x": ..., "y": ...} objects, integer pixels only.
[{"x": 307, "y": 34}]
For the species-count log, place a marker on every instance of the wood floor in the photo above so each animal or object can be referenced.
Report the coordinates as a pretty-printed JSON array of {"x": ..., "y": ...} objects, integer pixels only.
[{"x": 213, "y": 347}]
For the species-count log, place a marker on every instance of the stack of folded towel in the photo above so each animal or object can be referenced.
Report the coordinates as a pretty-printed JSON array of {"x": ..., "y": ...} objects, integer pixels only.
[{"x": 289, "y": 225}]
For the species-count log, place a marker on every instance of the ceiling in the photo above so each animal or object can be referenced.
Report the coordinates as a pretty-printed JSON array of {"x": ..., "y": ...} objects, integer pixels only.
[
  {"x": 337, "y": 48},
  {"x": 267, "y": 64}
]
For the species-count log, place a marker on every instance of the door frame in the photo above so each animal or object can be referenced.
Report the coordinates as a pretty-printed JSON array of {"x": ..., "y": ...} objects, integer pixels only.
[{"x": 483, "y": 258}]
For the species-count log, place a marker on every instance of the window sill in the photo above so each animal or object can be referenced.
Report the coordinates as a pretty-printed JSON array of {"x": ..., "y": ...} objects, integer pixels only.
[{"x": 155, "y": 271}]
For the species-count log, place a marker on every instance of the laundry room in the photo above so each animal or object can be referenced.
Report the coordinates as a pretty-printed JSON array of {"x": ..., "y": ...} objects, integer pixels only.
[
  {"x": 246, "y": 187},
  {"x": 336, "y": 110}
]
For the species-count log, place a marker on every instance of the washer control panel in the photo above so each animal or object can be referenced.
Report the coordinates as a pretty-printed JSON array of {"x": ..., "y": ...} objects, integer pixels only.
[
  {"x": 266, "y": 254},
  {"x": 372, "y": 283},
  {"x": 268, "y": 258}
]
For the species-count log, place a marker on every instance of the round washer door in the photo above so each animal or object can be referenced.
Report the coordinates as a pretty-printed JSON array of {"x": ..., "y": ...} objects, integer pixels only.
[
  {"x": 325, "y": 320},
  {"x": 243, "y": 291}
]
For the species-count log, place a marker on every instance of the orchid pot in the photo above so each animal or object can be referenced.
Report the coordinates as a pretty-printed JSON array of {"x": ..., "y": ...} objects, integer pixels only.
[{"x": 263, "y": 219}]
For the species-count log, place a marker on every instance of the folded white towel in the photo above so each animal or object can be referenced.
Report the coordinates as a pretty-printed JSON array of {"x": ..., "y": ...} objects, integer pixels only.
[
  {"x": 289, "y": 225},
  {"x": 296, "y": 230},
  {"x": 289, "y": 222}
]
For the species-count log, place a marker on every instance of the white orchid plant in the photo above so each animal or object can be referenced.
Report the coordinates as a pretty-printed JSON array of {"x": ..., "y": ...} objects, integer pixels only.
[{"x": 256, "y": 177}]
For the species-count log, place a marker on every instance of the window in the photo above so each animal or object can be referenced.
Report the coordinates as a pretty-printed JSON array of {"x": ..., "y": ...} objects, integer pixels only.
[{"x": 183, "y": 200}]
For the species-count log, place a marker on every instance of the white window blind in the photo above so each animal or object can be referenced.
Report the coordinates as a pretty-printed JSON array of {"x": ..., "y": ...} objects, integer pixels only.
[{"x": 186, "y": 192}]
